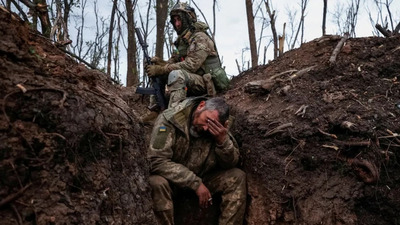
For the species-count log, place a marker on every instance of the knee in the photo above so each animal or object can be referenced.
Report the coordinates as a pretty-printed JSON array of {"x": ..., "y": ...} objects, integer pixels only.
[
  {"x": 176, "y": 79},
  {"x": 158, "y": 182},
  {"x": 238, "y": 175}
]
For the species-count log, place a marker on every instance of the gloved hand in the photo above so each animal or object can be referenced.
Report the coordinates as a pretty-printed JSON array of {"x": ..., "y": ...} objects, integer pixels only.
[
  {"x": 158, "y": 61},
  {"x": 155, "y": 70}
]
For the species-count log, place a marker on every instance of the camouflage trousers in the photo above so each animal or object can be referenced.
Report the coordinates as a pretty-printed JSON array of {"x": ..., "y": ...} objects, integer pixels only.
[
  {"x": 230, "y": 183},
  {"x": 180, "y": 84}
]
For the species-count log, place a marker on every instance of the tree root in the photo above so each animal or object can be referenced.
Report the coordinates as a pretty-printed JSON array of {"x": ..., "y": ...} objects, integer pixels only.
[
  {"x": 14, "y": 196},
  {"x": 366, "y": 170}
]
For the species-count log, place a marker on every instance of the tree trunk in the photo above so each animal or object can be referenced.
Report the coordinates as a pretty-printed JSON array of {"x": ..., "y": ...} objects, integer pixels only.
[
  {"x": 272, "y": 18},
  {"x": 162, "y": 14},
  {"x": 252, "y": 35},
  {"x": 131, "y": 73},
  {"x": 324, "y": 17},
  {"x": 110, "y": 37},
  {"x": 39, "y": 8}
]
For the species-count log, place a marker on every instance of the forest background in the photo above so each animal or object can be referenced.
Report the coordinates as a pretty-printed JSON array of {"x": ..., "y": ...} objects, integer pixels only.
[{"x": 100, "y": 33}]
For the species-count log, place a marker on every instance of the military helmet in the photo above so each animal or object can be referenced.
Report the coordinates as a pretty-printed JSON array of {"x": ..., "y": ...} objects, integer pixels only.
[{"x": 183, "y": 9}]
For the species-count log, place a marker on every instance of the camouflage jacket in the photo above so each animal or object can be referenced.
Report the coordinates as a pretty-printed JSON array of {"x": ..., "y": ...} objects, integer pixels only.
[
  {"x": 181, "y": 158},
  {"x": 194, "y": 49}
]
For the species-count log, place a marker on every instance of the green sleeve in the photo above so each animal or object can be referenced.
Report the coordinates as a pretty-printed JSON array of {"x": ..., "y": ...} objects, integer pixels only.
[{"x": 160, "y": 153}]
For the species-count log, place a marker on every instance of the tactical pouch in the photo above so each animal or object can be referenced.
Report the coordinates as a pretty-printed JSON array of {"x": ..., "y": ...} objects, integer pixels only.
[
  {"x": 220, "y": 79},
  {"x": 209, "y": 85}
]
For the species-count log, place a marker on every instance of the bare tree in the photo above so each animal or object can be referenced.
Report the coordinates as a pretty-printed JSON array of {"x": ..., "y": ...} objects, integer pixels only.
[
  {"x": 162, "y": 14},
  {"x": 325, "y": 9},
  {"x": 131, "y": 73},
  {"x": 272, "y": 17},
  {"x": 251, "y": 32},
  {"x": 303, "y": 7},
  {"x": 78, "y": 47},
  {"x": 96, "y": 49},
  {"x": 116, "y": 57},
  {"x": 110, "y": 37},
  {"x": 38, "y": 8},
  {"x": 59, "y": 31},
  {"x": 381, "y": 22},
  {"x": 348, "y": 23}
]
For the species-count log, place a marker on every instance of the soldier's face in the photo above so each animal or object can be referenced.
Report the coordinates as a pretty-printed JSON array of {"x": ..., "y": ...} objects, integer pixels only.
[
  {"x": 177, "y": 22},
  {"x": 200, "y": 120}
]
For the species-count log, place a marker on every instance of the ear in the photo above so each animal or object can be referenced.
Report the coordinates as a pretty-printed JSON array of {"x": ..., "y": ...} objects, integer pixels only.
[
  {"x": 226, "y": 124},
  {"x": 201, "y": 105}
]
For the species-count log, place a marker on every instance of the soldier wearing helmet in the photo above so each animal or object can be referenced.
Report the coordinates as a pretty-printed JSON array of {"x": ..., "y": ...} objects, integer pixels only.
[{"x": 195, "y": 68}]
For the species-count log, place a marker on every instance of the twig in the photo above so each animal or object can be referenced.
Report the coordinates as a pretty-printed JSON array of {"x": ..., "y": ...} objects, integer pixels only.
[
  {"x": 327, "y": 134},
  {"x": 78, "y": 58},
  {"x": 301, "y": 111},
  {"x": 280, "y": 74},
  {"x": 337, "y": 49},
  {"x": 331, "y": 146},
  {"x": 278, "y": 129},
  {"x": 16, "y": 174},
  {"x": 301, "y": 72},
  {"x": 56, "y": 134},
  {"x": 14, "y": 196},
  {"x": 287, "y": 165},
  {"x": 19, "y": 219},
  {"x": 354, "y": 143}
]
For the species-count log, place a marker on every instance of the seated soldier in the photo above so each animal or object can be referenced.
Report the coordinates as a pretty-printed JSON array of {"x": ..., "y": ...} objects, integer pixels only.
[
  {"x": 191, "y": 148},
  {"x": 195, "y": 68}
]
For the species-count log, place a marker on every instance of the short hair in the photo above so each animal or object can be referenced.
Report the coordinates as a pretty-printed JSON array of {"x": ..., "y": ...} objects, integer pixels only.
[{"x": 221, "y": 106}]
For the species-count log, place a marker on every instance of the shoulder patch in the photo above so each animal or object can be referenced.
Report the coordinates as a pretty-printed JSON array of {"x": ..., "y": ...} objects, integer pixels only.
[{"x": 161, "y": 137}]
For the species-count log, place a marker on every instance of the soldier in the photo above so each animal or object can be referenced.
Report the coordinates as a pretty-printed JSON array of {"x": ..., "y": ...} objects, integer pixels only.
[
  {"x": 191, "y": 148},
  {"x": 194, "y": 68}
]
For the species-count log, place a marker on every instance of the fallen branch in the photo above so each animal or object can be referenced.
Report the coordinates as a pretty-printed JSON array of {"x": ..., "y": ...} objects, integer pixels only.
[
  {"x": 385, "y": 32},
  {"x": 264, "y": 86},
  {"x": 78, "y": 58},
  {"x": 397, "y": 29},
  {"x": 280, "y": 74},
  {"x": 337, "y": 49},
  {"x": 278, "y": 129},
  {"x": 301, "y": 72},
  {"x": 354, "y": 143}
]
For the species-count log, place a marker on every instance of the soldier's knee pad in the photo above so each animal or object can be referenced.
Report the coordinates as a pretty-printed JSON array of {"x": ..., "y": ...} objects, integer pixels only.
[{"x": 176, "y": 80}]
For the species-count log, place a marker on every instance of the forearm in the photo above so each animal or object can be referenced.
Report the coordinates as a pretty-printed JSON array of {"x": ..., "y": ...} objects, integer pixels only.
[
  {"x": 227, "y": 154},
  {"x": 192, "y": 62}
]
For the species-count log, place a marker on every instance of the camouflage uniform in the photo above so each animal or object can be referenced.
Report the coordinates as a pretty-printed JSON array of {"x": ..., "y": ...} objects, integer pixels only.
[
  {"x": 195, "y": 56},
  {"x": 180, "y": 159}
]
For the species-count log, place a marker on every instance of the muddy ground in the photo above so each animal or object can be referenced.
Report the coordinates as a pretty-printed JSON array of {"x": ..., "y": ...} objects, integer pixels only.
[{"x": 319, "y": 140}]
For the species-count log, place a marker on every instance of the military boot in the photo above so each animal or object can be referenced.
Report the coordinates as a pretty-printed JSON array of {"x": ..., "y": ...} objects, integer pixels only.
[{"x": 149, "y": 117}]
